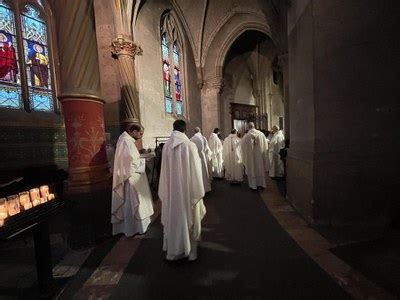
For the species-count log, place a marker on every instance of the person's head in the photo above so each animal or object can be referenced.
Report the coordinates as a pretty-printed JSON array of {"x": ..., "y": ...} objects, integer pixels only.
[
  {"x": 233, "y": 131},
  {"x": 251, "y": 125},
  {"x": 216, "y": 130},
  {"x": 180, "y": 125},
  {"x": 275, "y": 128},
  {"x": 197, "y": 130},
  {"x": 134, "y": 130}
]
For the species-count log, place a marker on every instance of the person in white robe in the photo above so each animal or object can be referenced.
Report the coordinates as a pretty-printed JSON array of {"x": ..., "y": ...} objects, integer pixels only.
[
  {"x": 275, "y": 145},
  {"x": 255, "y": 157},
  {"x": 216, "y": 147},
  {"x": 202, "y": 145},
  {"x": 232, "y": 155},
  {"x": 181, "y": 192},
  {"x": 132, "y": 203}
]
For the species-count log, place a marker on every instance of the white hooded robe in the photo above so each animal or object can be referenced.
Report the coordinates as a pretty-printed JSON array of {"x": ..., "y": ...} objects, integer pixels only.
[
  {"x": 181, "y": 191},
  {"x": 202, "y": 146},
  {"x": 216, "y": 147},
  {"x": 275, "y": 145},
  {"x": 255, "y": 157},
  {"x": 132, "y": 203},
  {"x": 232, "y": 155}
]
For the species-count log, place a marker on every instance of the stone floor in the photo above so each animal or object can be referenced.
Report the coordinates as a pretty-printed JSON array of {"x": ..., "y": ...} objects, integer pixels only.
[{"x": 254, "y": 246}]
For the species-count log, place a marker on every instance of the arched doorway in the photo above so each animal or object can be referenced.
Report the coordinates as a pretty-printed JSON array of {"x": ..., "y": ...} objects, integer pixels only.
[{"x": 252, "y": 89}]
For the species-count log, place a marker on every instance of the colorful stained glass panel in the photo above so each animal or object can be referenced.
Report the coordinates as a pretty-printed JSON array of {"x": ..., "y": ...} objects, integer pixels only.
[
  {"x": 10, "y": 97},
  {"x": 177, "y": 84},
  {"x": 6, "y": 19},
  {"x": 176, "y": 55},
  {"x": 168, "y": 105},
  {"x": 37, "y": 64},
  {"x": 41, "y": 101},
  {"x": 8, "y": 58},
  {"x": 179, "y": 108},
  {"x": 33, "y": 28},
  {"x": 165, "y": 49}
]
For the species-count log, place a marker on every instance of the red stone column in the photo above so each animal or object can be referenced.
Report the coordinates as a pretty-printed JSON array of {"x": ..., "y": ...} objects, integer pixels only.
[{"x": 84, "y": 126}]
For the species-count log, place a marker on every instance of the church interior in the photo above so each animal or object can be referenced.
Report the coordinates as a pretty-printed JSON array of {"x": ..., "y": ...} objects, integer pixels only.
[{"x": 73, "y": 72}]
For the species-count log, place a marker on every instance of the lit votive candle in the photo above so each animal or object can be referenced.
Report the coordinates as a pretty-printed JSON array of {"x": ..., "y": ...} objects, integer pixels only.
[
  {"x": 1, "y": 222},
  {"x": 25, "y": 200},
  {"x": 51, "y": 196},
  {"x": 44, "y": 191},
  {"x": 3, "y": 208},
  {"x": 43, "y": 200},
  {"x": 13, "y": 205},
  {"x": 35, "y": 196},
  {"x": 36, "y": 202}
]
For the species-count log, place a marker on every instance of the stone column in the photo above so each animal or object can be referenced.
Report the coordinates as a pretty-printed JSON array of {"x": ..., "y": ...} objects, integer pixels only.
[
  {"x": 125, "y": 50},
  {"x": 283, "y": 64},
  {"x": 210, "y": 104},
  {"x": 80, "y": 95}
]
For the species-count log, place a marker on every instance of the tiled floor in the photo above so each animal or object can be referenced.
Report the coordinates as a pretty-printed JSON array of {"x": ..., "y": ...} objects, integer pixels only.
[{"x": 254, "y": 246}]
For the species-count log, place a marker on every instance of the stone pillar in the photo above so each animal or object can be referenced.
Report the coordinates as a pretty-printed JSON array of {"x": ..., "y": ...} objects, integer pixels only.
[
  {"x": 283, "y": 64},
  {"x": 125, "y": 50},
  {"x": 80, "y": 95},
  {"x": 210, "y": 105}
]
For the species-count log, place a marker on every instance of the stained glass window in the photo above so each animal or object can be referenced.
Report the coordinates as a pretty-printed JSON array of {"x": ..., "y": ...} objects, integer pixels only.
[
  {"x": 171, "y": 59},
  {"x": 178, "y": 83},
  {"x": 166, "y": 74},
  {"x": 10, "y": 82},
  {"x": 36, "y": 52},
  {"x": 24, "y": 66}
]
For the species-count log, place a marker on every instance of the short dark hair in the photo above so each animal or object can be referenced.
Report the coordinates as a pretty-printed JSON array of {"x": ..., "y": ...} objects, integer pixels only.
[
  {"x": 233, "y": 130},
  {"x": 180, "y": 125},
  {"x": 134, "y": 127},
  {"x": 216, "y": 130}
]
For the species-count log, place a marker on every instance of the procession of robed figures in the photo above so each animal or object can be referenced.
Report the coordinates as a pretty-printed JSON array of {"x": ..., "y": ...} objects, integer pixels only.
[{"x": 187, "y": 168}]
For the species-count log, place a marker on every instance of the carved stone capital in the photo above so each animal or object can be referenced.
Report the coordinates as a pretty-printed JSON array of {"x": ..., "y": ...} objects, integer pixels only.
[
  {"x": 121, "y": 46},
  {"x": 215, "y": 83}
]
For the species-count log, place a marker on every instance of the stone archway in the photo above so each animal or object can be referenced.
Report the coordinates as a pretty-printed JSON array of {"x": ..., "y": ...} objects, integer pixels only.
[{"x": 215, "y": 55}]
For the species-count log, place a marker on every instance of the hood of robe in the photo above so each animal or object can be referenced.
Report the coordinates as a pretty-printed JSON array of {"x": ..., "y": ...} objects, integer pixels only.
[
  {"x": 178, "y": 138},
  {"x": 254, "y": 132}
]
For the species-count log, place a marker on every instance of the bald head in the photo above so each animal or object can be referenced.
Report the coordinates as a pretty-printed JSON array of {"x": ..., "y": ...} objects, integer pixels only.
[
  {"x": 197, "y": 130},
  {"x": 251, "y": 125}
]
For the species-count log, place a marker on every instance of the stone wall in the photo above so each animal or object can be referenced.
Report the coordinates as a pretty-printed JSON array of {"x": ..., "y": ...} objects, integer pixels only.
[
  {"x": 342, "y": 166},
  {"x": 30, "y": 139},
  {"x": 300, "y": 161}
]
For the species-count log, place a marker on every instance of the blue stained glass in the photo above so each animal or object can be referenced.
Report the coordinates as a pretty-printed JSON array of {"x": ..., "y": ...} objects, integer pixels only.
[
  {"x": 176, "y": 55},
  {"x": 179, "y": 107},
  {"x": 168, "y": 104},
  {"x": 41, "y": 101},
  {"x": 33, "y": 28},
  {"x": 165, "y": 53},
  {"x": 6, "y": 19},
  {"x": 10, "y": 97}
]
